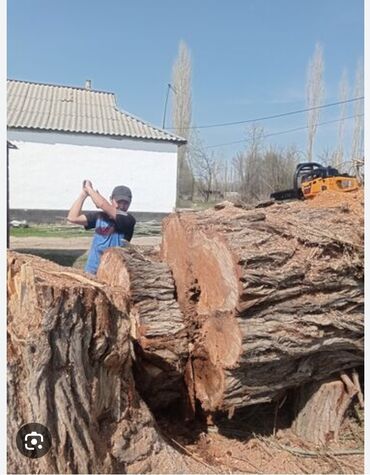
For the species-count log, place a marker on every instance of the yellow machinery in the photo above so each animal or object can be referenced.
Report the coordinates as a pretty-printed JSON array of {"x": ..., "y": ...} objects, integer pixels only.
[{"x": 312, "y": 178}]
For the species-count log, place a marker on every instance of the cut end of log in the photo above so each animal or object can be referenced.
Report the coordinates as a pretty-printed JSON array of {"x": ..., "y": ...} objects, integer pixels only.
[
  {"x": 208, "y": 384},
  {"x": 112, "y": 270},
  {"x": 222, "y": 340},
  {"x": 174, "y": 252},
  {"x": 320, "y": 409},
  {"x": 221, "y": 348},
  {"x": 217, "y": 279},
  {"x": 208, "y": 285}
]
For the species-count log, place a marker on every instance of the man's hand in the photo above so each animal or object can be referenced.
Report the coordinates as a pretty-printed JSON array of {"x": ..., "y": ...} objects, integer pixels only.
[
  {"x": 74, "y": 215},
  {"x": 87, "y": 186},
  {"x": 96, "y": 197}
]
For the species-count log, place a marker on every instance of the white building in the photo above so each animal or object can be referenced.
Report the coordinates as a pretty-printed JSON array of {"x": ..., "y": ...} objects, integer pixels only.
[{"x": 65, "y": 134}]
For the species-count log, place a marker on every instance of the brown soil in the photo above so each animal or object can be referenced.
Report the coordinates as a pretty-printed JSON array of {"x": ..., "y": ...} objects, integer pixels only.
[
  {"x": 248, "y": 444},
  {"x": 70, "y": 243}
]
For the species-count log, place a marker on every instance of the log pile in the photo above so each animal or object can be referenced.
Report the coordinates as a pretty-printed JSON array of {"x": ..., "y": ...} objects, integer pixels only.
[{"x": 242, "y": 305}]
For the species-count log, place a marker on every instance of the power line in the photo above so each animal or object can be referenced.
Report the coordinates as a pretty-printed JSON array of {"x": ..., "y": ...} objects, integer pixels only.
[
  {"x": 284, "y": 114},
  {"x": 285, "y": 131}
]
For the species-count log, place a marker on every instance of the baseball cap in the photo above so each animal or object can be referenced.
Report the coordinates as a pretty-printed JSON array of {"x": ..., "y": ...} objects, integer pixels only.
[{"x": 122, "y": 193}]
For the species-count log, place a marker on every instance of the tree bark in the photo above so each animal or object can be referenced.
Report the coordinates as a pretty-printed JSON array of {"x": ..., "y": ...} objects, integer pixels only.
[
  {"x": 273, "y": 297},
  {"x": 320, "y": 409},
  {"x": 157, "y": 324},
  {"x": 69, "y": 368}
]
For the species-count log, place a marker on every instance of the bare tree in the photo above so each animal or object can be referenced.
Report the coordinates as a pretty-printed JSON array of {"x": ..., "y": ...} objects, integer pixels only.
[
  {"x": 343, "y": 96},
  {"x": 327, "y": 156},
  {"x": 315, "y": 95},
  {"x": 358, "y": 129},
  {"x": 205, "y": 167},
  {"x": 248, "y": 163},
  {"x": 254, "y": 160},
  {"x": 261, "y": 171},
  {"x": 224, "y": 177},
  {"x": 277, "y": 169},
  {"x": 182, "y": 115}
]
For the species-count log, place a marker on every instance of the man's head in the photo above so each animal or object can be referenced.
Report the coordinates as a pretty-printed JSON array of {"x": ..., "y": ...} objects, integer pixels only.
[{"x": 121, "y": 197}]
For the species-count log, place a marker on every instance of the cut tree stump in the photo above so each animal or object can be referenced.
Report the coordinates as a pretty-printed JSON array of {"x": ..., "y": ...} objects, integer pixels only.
[
  {"x": 157, "y": 324},
  {"x": 69, "y": 368},
  {"x": 273, "y": 297},
  {"x": 320, "y": 409}
]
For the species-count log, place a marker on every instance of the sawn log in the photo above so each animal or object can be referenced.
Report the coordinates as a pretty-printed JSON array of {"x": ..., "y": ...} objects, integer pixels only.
[{"x": 272, "y": 297}]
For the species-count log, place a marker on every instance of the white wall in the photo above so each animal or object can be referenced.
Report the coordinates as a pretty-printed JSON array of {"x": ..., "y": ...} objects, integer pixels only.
[{"x": 47, "y": 170}]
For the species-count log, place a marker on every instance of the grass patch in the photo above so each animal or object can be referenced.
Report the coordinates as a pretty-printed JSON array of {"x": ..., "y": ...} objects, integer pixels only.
[
  {"x": 148, "y": 228},
  {"x": 50, "y": 231},
  {"x": 197, "y": 205},
  {"x": 201, "y": 205}
]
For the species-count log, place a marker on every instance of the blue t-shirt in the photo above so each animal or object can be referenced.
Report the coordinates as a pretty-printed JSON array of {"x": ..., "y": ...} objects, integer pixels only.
[{"x": 109, "y": 232}]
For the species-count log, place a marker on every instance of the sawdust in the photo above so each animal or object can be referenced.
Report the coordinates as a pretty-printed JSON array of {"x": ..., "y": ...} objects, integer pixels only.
[
  {"x": 353, "y": 200},
  {"x": 247, "y": 444},
  {"x": 270, "y": 455}
]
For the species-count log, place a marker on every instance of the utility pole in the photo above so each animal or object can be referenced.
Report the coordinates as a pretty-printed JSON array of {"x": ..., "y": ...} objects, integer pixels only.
[
  {"x": 9, "y": 145},
  {"x": 165, "y": 104}
]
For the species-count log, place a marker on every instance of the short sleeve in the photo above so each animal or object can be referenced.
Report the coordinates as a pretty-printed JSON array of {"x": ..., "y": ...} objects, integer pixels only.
[
  {"x": 91, "y": 219},
  {"x": 125, "y": 224}
]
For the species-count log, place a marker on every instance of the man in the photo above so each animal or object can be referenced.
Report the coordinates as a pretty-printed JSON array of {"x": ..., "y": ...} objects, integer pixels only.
[{"x": 113, "y": 225}]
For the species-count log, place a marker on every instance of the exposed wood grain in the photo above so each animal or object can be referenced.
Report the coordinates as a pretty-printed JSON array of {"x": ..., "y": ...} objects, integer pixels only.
[{"x": 320, "y": 411}]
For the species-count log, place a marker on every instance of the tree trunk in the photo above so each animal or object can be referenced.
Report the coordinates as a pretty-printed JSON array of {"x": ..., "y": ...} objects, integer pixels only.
[
  {"x": 157, "y": 323},
  {"x": 320, "y": 409},
  {"x": 69, "y": 368},
  {"x": 273, "y": 298}
]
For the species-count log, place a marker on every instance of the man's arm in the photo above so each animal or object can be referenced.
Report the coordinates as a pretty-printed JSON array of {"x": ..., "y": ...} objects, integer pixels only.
[
  {"x": 100, "y": 202},
  {"x": 74, "y": 215}
]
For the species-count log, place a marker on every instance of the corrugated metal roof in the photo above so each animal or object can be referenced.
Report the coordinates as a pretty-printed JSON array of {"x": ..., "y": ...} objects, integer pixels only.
[{"x": 75, "y": 109}]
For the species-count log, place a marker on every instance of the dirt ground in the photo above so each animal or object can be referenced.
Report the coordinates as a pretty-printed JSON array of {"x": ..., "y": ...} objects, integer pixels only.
[
  {"x": 70, "y": 243},
  {"x": 255, "y": 441},
  {"x": 70, "y": 252}
]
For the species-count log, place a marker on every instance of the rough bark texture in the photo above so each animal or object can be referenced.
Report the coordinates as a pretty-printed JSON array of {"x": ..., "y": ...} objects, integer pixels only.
[
  {"x": 273, "y": 297},
  {"x": 157, "y": 324},
  {"x": 69, "y": 368},
  {"x": 320, "y": 410}
]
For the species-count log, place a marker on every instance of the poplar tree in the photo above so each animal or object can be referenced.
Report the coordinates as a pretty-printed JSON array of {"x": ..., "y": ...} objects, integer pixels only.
[
  {"x": 343, "y": 96},
  {"x": 358, "y": 129},
  {"x": 182, "y": 116},
  {"x": 315, "y": 95}
]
